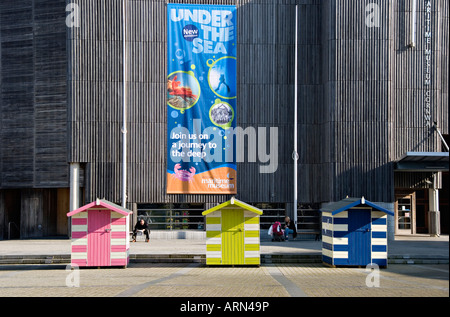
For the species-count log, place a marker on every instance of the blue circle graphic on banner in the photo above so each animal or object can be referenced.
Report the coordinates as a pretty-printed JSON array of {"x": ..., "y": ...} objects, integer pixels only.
[
  {"x": 222, "y": 77},
  {"x": 190, "y": 32}
]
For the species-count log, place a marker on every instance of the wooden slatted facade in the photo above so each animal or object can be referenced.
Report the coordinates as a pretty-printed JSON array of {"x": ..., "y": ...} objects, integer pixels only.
[{"x": 360, "y": 96}]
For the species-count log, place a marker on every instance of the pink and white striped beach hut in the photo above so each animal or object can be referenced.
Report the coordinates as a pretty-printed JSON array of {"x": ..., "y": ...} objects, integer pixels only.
[{"x": 100, "y": 234}]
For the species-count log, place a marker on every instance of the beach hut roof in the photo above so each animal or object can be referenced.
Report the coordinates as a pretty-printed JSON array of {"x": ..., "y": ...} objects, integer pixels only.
[
  {"x": 348, "y": 203},
  {"x": 103, "y": 203},
  {"x": 234, "y": 202}
]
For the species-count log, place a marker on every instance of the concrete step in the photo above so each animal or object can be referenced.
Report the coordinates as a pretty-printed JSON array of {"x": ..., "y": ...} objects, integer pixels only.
[
  {"x": 290, "y": 258},
  {"x": 158, "y": 258},
  {"x": 201, "y": 258},
  {"x": 35, "y": 259},
  {"x": 167, "y": 258},
  {"x": 422, "y": 259}
]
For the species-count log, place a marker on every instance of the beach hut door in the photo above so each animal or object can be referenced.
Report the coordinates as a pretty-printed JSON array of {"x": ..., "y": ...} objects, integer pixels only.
[
  {"x": 99, "y": 238},
  {"x": 232, "y": 237},
  {"x": 359, "y": 237}
]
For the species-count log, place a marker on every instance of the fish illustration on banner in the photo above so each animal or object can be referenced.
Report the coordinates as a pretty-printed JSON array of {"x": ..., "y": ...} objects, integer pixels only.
[{"x": 201, "y": 99}]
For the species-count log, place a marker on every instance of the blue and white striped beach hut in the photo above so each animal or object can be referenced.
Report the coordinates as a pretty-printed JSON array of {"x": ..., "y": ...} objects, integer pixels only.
[{"x": 354, "y": 233}]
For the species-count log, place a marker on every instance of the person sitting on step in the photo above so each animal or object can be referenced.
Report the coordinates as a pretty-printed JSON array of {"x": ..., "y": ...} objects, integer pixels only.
[{"x": 142, "y": 226}]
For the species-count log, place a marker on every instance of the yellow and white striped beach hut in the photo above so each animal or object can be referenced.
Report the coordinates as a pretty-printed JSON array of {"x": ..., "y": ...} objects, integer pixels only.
[{"x": 232, "y": 234}]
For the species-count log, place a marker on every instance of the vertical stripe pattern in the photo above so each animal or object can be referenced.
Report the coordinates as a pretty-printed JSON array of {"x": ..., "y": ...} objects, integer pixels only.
[
  {"x": 99, "y": 241},
  {"x": 232, "y": 237}
]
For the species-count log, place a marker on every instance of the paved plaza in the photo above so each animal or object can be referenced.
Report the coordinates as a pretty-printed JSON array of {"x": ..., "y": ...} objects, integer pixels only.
[
  {"x": 418, "y": 267},
  {"x": 197, "y": 280}
]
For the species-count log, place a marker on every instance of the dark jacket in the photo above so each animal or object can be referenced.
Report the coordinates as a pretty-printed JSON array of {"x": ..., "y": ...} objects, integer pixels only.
[
  {"x": 138, "y": 226},
  {"x": 291, "y": 226}
]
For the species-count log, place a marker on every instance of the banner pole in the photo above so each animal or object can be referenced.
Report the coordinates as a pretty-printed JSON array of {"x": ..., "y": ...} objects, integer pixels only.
[
  {"x": 295, "y": 154},
  {"x": 412, "y": 33},
  {"x": 124, "y": 109}
]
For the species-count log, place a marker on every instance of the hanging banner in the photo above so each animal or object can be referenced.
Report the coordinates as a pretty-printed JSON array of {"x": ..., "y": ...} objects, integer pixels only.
[{"x": 201, "y": 99}]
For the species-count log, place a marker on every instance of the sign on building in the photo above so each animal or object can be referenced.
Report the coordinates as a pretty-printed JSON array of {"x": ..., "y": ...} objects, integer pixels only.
[{"x": 201, "y": 99}]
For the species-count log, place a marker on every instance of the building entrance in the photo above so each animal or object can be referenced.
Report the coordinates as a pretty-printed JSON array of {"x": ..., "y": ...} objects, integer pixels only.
[{"x": 405, "y": 213}]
